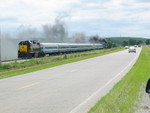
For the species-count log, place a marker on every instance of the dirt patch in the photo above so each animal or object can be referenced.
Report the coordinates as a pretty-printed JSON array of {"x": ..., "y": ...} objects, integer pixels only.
[{"x": 145, "y": 102}]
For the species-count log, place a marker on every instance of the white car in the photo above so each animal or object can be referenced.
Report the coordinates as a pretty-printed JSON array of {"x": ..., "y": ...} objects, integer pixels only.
[
  {"x": 135, "y": 45},
  {"x": 132, "y": 49},
  {"x": 126, "y": 47}
]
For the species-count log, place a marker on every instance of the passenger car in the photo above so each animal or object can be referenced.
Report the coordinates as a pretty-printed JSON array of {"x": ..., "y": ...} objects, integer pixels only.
[
  {"x": 139, "y": 45},
  {"x": 126, "y": 47},
  {"x": 132, "y": 49},
  {"x": 148, "y": 87}
]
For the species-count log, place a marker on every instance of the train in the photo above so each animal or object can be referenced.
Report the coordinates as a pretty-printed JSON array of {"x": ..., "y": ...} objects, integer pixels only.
[{"x": 33, "y": 48}]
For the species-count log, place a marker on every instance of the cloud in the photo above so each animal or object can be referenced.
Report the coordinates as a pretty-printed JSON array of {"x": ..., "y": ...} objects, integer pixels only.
[
  {"x": 34, "y": 11},
  {"x": 118, "y": 14},
  {"x": 8, "y": 19},
  {"x": 89, "y": 16}
]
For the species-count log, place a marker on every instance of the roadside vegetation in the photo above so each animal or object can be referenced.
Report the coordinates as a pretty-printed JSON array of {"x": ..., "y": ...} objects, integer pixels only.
[
  {"x": 124, "y": 96},
  {"x": 126, "y": 41},
  {"x": 17, "y": 68}
]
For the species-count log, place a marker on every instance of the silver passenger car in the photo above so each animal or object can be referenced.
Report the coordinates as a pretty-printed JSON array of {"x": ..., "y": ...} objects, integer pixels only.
[{"x": 132, "y": 49}]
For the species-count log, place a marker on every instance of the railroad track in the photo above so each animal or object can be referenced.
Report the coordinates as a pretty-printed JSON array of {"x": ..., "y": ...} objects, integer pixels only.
[
  {"x": 14, "y": 60},
  {"x": 21, "y": 60}
]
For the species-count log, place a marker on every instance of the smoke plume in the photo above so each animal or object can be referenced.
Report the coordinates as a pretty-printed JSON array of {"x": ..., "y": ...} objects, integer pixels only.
[
  {"x": 8, "y": 47},
  {"x": 52, "y": 33},
  {"x": 55, "y": 33}
]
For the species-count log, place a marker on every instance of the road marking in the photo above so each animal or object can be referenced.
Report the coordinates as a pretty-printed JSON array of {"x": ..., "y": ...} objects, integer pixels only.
[
  {"x": 26, "y": 86},
  {"x": 93, "y": 63},
  {"x": 74, "y": 70},
  {"x": 96, "y": 92}
]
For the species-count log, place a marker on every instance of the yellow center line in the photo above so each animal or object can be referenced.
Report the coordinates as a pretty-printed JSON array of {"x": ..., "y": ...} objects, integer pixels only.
[
  {"x": 26, "y": 86},
  {"x": 74, "y": 70},
  {"x": 93, "y": 63}
]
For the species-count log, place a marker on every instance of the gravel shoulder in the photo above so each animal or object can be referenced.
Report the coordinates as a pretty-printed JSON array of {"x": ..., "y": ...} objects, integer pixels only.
[{"x": 144, "y": 106}]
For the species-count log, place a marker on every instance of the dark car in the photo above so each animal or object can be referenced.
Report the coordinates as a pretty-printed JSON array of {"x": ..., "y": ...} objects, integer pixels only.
[{"x": 148, "y": 87}]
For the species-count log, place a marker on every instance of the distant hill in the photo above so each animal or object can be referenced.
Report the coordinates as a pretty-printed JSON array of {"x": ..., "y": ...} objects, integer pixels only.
[{"x": 120, "y": 40}]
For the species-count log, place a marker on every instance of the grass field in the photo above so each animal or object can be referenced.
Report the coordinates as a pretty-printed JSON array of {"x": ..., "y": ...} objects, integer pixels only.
[
  {"x": 17, "y": 68},
  {"x": 124, "y": 97}
]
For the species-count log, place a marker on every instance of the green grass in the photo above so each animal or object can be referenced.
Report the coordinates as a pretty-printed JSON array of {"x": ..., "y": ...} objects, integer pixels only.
[
  {"x": 17, "y": 68},
  {"x": 124, "y": 97}
]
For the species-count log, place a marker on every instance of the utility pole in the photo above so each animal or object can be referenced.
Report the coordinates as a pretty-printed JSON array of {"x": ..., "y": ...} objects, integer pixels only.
[{"x": 0, "y": 48}]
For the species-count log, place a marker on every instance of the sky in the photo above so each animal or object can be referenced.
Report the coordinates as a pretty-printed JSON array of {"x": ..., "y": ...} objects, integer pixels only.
[{"x": 106, "y": 18}]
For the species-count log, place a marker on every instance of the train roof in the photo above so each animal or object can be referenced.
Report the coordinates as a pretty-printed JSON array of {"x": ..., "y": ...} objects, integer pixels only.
[
  {"x": 55, "y": 44},
  {"x": 68, "y": 44}
]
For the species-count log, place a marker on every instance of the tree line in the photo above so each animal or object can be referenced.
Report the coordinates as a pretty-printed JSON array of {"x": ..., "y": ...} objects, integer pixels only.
[{"x": 135, "y": 42}]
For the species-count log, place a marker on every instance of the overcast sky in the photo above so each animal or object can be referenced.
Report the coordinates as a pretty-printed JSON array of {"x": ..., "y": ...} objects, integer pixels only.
[{"x": 103, "y": 17}]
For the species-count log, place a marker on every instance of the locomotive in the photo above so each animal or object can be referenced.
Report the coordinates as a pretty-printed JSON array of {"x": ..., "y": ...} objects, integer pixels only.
[{"x": 33, "y": 48}]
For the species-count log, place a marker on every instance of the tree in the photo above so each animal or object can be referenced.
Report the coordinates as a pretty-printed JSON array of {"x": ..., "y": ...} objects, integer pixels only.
[
  {"x": 110, "y": 44},
  {"x": 139, "y": 42},
  {"x": 114, "y": 45},
  {"x": 147, "y": 41},
  {"x": 132, "y": 42},
  {"x": 125, "y": 43}
]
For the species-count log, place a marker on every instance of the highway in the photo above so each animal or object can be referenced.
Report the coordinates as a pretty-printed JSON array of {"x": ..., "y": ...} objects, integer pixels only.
[{"x": 69, "y": 88}]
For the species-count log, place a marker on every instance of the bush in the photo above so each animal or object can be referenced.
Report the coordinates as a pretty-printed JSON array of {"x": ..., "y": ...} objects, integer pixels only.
[{"x": 65, "y": 56}]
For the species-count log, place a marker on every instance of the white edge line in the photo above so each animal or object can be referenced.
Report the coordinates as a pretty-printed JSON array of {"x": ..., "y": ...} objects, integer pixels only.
[{"x": 95, "y": 93}]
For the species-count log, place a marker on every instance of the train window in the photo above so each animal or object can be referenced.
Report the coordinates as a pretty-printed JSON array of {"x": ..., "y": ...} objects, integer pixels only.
[
  {"x": 34, "y": 42},
  {"x": 74, "y": 47},
  {"x": 64, "y": 47},
  {"x": 50, "y": 47},
  {"x": 24, "y": 43}
]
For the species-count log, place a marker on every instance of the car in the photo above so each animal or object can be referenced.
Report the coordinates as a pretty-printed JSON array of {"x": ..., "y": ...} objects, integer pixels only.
[
  {"x": 126, "y": 47},
  {"x": 139, "y": 45},
  {"x": 135, "y": 45},
  {"x": 132, "y": 49},
  {"x": 148, "y": 87}
]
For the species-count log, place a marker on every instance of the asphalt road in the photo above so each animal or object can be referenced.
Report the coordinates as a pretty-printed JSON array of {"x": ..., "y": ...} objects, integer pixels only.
[{"x": 69, "y": 88}]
